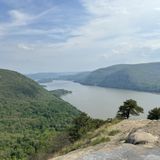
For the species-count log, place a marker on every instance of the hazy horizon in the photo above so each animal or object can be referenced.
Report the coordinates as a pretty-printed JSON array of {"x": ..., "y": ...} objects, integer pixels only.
[
  {"x": 93, "y": 69},
  {"x": 77, "y": 35}
]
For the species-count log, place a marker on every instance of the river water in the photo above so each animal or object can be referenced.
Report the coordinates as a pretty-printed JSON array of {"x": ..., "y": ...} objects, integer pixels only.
[{"x": 101, "y": 102}]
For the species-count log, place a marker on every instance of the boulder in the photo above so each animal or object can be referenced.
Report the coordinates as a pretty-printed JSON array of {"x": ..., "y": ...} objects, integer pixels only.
[{"x": 141, "y": 137}]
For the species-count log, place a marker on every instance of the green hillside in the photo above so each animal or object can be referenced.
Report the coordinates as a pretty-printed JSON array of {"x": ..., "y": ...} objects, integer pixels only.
[
  {"x": 142, "y": 77},
  {"x": 30, "y": 117}
]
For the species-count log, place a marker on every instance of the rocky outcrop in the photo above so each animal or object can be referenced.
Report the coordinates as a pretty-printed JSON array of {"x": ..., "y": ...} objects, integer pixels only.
[{"x": 144, "y": 132}]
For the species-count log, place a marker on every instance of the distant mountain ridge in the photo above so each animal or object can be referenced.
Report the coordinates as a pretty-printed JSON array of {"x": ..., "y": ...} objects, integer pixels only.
[
  {"x": 46, "y": 76},
  {"x": 141, "y": 77}
]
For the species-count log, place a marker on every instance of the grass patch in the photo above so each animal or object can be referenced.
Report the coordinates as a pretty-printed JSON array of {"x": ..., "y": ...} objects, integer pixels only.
[
  {"x": 113, "y": 132},
  {"x": 100, "y": 140}
]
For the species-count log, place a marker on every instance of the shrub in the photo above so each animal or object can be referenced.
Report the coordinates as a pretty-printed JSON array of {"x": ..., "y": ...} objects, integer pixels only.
[
  {"x": 82, "y": 125},
  {"x": 154, "y": 114}
]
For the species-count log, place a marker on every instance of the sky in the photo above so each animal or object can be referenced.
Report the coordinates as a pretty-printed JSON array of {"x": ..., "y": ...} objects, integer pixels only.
[{"x": 77, "y": 35}]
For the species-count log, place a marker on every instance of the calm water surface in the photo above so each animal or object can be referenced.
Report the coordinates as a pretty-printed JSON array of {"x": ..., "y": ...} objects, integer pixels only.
[{"x": 101, "y": 102}]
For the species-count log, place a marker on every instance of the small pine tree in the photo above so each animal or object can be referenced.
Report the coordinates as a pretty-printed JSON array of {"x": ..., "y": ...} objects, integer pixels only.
[{"x": 129, "y": 107}]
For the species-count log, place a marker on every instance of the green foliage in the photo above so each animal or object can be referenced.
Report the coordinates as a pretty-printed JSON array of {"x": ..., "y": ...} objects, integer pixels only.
[
  {"x": 82, "y": 125},
  {"x": 154, "y": 114},
  {"x": 129, "y": 107},
  {"x": 30, "y": 117}
]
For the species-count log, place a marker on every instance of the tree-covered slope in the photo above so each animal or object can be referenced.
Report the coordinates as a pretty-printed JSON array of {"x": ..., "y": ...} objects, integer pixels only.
[
  {"x": 30, "y": 116},
  {"x": 143, "y": 77}
]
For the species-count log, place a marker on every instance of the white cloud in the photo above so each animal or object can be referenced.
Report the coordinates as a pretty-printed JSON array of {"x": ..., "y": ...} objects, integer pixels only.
[
  {"x": 25, "y": 47},
  {"x": 105, "y": 7},
  {"x": 117, "y": 21},
  {"x": 117, "y": 31},
  {"x": 19, "y": 18}
]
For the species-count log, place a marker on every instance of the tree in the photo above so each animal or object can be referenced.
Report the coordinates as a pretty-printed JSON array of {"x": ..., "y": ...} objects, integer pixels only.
[
  {"x": 83, "y": 124},
  {"x": 154, "y": 114},
  {"x": 128, "y": 108},
  {"x": 79, "y": 125}
]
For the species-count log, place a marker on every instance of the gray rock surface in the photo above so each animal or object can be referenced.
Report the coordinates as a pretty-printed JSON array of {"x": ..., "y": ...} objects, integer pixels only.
[{"x": 125, "y": 152}]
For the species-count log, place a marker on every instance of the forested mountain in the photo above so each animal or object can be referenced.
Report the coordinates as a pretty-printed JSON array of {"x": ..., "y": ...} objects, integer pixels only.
[
  {"x": 142, "y": 77},
  {"x": 30, "y": 116}
]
